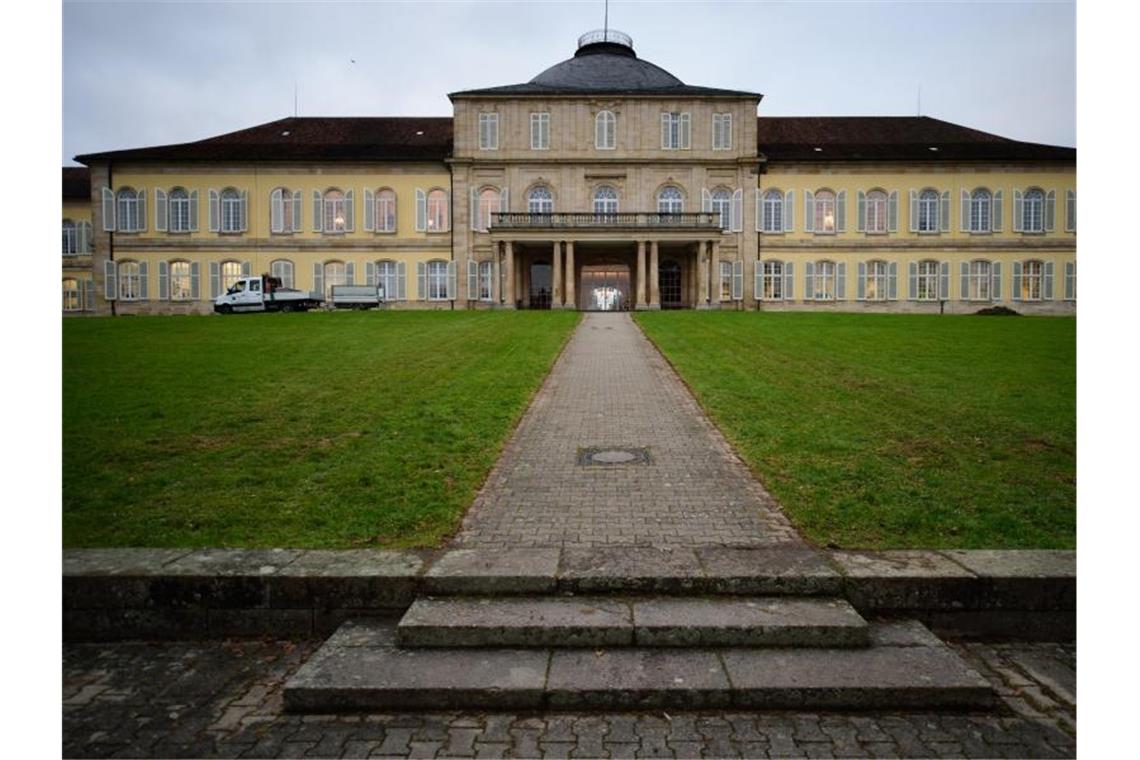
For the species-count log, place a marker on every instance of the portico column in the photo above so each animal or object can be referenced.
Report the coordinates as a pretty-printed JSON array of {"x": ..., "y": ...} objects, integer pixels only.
[
  {"x": 639, "y": 288},
  {"x": 556, "y": 287},
  {"x": 714, "y": 274},
  {"x": 654, "y": 285},
  {"x": 702, "y": 275},
  {"x": 509, "y": 265},
  {"x": 571, "y": 302}
]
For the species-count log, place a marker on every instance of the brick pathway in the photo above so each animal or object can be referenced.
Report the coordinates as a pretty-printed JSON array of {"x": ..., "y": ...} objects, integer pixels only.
[
  {"x": 223, "y": 699},
  {"x": 612, "y": 388}
]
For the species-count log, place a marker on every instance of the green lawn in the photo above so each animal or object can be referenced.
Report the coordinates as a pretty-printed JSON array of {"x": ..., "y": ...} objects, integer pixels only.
[
  {"x": 299, "y": 430},
  {"x": 882, "y": 431}
]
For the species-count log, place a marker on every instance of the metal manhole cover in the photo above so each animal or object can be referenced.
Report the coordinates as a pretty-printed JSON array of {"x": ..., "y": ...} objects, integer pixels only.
[{"x": 609, "y": 455}]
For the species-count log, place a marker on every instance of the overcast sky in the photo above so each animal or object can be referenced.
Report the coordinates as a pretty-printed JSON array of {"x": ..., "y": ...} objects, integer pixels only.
[{"x": 138, "y": 74}]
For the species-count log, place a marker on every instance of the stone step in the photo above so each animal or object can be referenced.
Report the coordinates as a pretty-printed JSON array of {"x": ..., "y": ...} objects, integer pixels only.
[
  {"x": 361, "y": 668},
  {"x": 569, "y": 621}
]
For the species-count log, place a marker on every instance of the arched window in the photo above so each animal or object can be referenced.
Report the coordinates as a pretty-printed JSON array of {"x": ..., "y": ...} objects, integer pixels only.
[
  {"x": 231, "y": 210},
  {"x": 605, "y": 200},
  {"x": 180, "y": 285},
  {"x": 437, "y": 280},
  {"x": 875, "y": 281},
  {"x": 981, "y": 202},
  {"x": 977, "y": 281},
  {"x": 927, "y": 283},
  {"x": 928, "y": 211},
  {"x": 772, "y": 212},
  {"x": 282, "y": 269},
  {"x": 335, "y": 274},
  {"x": 823, "y": 286},
  {"x": 231, "y": 273},
  {"x": 540, "y": 200},
  {"x": 670, "y": 201},
  {"x": 876, "y": 210},
  {"x": 386, "y": 210},
  {"x": 1031, "y": 279},
  {"x": 334, "y": 211},
  {"x": 130, "y": 281},
  {"x": 825, "y": 212},
  {"x": 722, "y": 204},
  {"x": 71, "y": 300},
  {"x": 437, "y": 211},
  {"x": 128, "y": 216},
  {"x": 605, "y": 130},
  {"x": 70, "y": 238},
  {"x": 1033, "y": 211},
  {"x": 490, "y": 202},
  {"x": 772, "y": 280},
  {"x": 387, "y": 279},
  {"x": 179, "y": 210},
  {"x": 284, "y": 211}
]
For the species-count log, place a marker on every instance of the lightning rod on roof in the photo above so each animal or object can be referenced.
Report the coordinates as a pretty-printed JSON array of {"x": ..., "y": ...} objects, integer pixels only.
[{"x": 606, "y": 22}]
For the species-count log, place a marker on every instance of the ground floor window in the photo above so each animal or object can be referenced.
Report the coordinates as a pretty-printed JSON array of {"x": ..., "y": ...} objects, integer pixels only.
[
  {"x": 386, "y": 279},
  {"x": 335, "y": 274},
  {"x": 1031, "y": 279},
  {"x": 927, "y": 283},
  {"x": 180, "y": 289},
  {"x": 977, "y": 281},
  {"x": 824, "y": 281},
  {"x": 282, "y": 269},
  {"x": 1071, "y": 281},
  {"x": 486, "y": 273},
  {"x": 130, "y": 281},
  {"x": 71, "y": 296},
  {"x": 231, "y": 273},
  {"x": 772, "y": 280},
  {"x": 875, "y": 281},
  {"x": 437, "y": 280},
  {"x": 726, "y": 281}
]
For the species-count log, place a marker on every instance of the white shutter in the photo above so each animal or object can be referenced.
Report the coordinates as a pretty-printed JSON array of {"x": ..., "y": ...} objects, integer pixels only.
[
  {"x": 1018, "y": 209},
  {"x": 737, "y": 280},
  {"x": 809, "y": 281},
  {"x": 1070, "y": 212},
  {"x": 861, "y": 282},
  {"x": 163, "y": 280},
  {"x": 370, "y": 274},
  {"x": 243, "y": 212},
  {"x": 995, "y": 280},
  {"x": 1015, "y": 286},
  {"x": 809, "y": 211},
  {"x": 996, "y": 211},
  {"x": 318, "y": 217},
  {"x": 446, "y": 211},
  {"x": 913, "y": 211},
  {"x": 964, "y": 281},
  {"x": 759, "y": 216},
  {"x": 194, "y": 274},
  {"x": 841, "y": 212},
  {"x": 110, "y": 280},
  {"x": 686, "y": 131},
  {"x": 215, "y": 280},
  {"x": 246, "y": 269},
  {"x": 349, "y": 212},
  {"x": 841, "y": 281},
  {"x": 474, "y": 212},
  {"x": 401, "y": 281},
  {"x": 472, "y": 279},
  {"x": 706, "y": 200},
  {"x": 944, "y": 212},
  {"x": 1070, "y": 277},
  {"x": 789, "y": 210},
  {"x": 215, "y": 211},
  {"x": 369, "y": 210},
  {"x": 738, "y": 210},
  {"x": 893, "y": 281},
  {"x": 350, "y": 273},
  {"x": 159, "y": 210},
  {"x": 319, "y": 278},
  {"x": 912, "y": 281},
  {"x": 421, "y": 280},
  {"x": 665, "y": 132},
  {"x": 421, "y": 210},
  {"x": 193, "y": 210},
  {"x": 144, "y": 281},
  {"x": 296, "y": 211},
  {"x": 860, "y": 211},
  {"x": 276, "y": 211},
  {"x": 789, "y": 281},
  {"x": 758, "y": 281},
  {"x": 452, "y": 285},
  {"x": 108, "y": 212},
  {"x": 1050, "y": 209},
  {"x": 1047, "y": 290},
  {"x": 944, "y": 281},
  {"x": 964, "y": 218},
  {"x": 141, "y": 195},
  {"x": 893, "y": 212},
  {"x": 82, "y": 237},
  {"x": 89, "y": 294}
]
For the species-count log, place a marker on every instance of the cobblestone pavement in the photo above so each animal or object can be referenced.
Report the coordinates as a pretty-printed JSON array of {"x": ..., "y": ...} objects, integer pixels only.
[
  {"x": 224, "y": 699},
  {"x": 612, "y": 388}
]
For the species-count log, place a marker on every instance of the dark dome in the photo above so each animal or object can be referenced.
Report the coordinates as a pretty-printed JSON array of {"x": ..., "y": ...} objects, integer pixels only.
[{"x": 606, "y": 61}]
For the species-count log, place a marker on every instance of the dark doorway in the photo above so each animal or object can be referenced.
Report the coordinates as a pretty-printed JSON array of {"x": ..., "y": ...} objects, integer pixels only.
[
  {"x": 669, "y": 284},
  {"x": 541, "y": 281}
]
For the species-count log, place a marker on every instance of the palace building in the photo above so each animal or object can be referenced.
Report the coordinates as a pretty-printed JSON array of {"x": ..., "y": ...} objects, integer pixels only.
[{"x": 602, "y": 183}]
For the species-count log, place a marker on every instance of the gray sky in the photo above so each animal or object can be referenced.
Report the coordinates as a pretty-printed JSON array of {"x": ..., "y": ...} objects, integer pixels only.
[{"x": 137, "y": 74}]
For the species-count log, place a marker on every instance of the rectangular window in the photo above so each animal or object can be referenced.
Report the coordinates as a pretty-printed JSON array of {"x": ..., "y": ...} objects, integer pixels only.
[
  {"x": 928, "y": 281},
  {"x": 824, "y": 281},
  {"x": 539, "y": 131},
  {"x": 978, "y": 281},
  {"x": 773, "y": 281},
  {"x": 485, "y": 278},
  {"x": 1031, "y": 280},
  {"x": 875, "y": 282},
  {"x": 722, "y": 131},
  {"x": 726, "y": 281},
  {"x": 773, "y": 211},
  {"x": 437, "y": 280},
  {"x": 675, "y": 131},
  {"x": 488, "y": 131}
]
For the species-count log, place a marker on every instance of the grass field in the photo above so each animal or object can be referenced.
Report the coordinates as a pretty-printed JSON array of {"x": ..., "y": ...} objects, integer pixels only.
[
  {"x": 881, "y": 431},
  {"x": 299, "y": 430}
]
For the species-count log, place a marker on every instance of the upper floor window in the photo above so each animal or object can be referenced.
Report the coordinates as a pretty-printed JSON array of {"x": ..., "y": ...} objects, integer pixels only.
[
  {"x": 231, "y": 211},
  {"x": 875, "y": 221},
  {"x": 488, "y": 131},
  {"x": 70, "y": 238},
  {"x": 605, "y": 130},
  {"x": 772, "y": 211},
  {"x": 928, "y": 203},
  {"x": 282, "y": 269},
  {"x": 490, "y": 202},
  {"x": 676, "y": 130},
  {"x": 605, "y": 200},
  {"x": 284, "y": 210},
  {"x": 1033, "y": 211},
  {"x": 539, "y": 131},
  {"x": 333, "y": 205},
  {"x": 722, "y": 131},
  {"x": 130, "y": 210},
  {"x": 1071, "y": 211},
  {"x": 386, "y": 210},
  {"x": 670, "y": 201},
  {"x": 978, "y": 210},
  {"x": 824, "y": 212},
  {"x": 540, "y": 200},
  {"x": 178, "y": 203},
  {"x": 437, "y": 216},
  {"x": 722, "y": 204}
]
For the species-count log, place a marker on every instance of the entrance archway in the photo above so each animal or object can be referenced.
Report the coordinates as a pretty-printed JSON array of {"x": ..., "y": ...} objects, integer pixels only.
[{"x": 604, "y": 287}]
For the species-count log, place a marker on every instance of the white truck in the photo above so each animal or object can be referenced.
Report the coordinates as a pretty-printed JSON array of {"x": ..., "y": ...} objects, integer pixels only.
[{"x": 264, "y": 293}]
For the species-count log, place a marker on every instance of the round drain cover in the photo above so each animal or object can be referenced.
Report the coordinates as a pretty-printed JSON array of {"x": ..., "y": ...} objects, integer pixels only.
[{"x": 613, "y": 456}]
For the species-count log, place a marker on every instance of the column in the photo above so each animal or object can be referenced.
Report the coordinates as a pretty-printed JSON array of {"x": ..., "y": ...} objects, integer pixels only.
[
  {"x": 571, "y": 302},
  {"x": 509, "y": 264},
  {"x": 556, "y": 285},
  {"x": 654, "y": 279},
  {"x": 714, "y": 275},
  {"x": 639, "y": 289},
  {"x": 702, "y": 275}
]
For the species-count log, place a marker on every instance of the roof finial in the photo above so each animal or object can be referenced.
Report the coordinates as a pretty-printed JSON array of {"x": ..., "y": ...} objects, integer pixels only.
[{"x": 606, "y": 22}]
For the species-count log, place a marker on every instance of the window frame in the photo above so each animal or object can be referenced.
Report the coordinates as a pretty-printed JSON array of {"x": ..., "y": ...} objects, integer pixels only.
[
  {"x": 127, "y": 208},
  {"x": 820, "y": 200},
  {"x": 929, "y": 204},
  {"x": 772, "y": 210},
  {"x": 673, "y": 132},
  {"x": 980, "y": 221},
  {"x": 488, "y": 130},
  {"x": 600, "y": 196},
  {"x": 1038, "y": 200},
  {"x": 486, "y": 277},
  {"x": 880, "y": 200},
  {"x": 771, "y": 280},
  {"x": 286, "y": 282},
  {"x": 328, "y": 269},
  {"x": 329, "y": 205},
  {"x": 722, "y": 196},
  {"x": 927, "y": 281},
  {"x": 725, "y": 130},
  {"x": 385, "y": 196},
  {"x": 831, "y": 291},
  {"x": 128, "y": 275},
  {"x": 979, "y": 279},
  {"x": 436, "y": 274},
  {"x": 537, "y": 203},
  {"x": 70, "y": 238},
  {"x": 229, "y": 211},
  {"x": 876, "y": 280},
  {"x": 178, "y": 211},
  {"x": 179, "y": 270},
  {"x": 490, "y": 202},
  {"x": 540, "y": 128},
  {"x": 725, "y": 280},
  {"x": 386, "y": 278},
  {"x": 675, "y": 198},
  {"x": 76, "y": 293},
  {"x": 231, "y": 277},
  {"x": 1032, "y": 285},
  {"x": 437, "y": 216},
  {"x": 605, "y": 126}
]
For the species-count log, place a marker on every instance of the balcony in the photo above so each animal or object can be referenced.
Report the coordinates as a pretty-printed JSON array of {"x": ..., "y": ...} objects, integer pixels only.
[{"x": 585, "y": 220}]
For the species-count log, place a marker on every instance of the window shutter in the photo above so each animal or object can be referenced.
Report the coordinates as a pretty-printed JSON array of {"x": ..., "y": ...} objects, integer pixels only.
[
  {"x": 809, "y": 281},
  {"x": 318, "y": 217},
  {"x": 964, "y": 281},
  {"x": 706, "y": 200},
  {"x": 758, "y": 281},
  {"x": 472, "y": 279},
  {"x": 665, "y": 132},
  {"x": 194, "y": 270},
  {"x": 913, "y": 209},
  {"x": 452, "y": 284},
  {"x": 860, "y": 211},
  {"x": 369, "y": 210},
  {"x": 246, "y": 269},
  {"x": 686, "y": 130},
  {"x": 1050, "y": 209},
  {"x": 243, "y": 211},
  {"x": 446, "y": 211},
  {"x": 1015, "y": 287},
  {"x": 809, "y": 211},
  {"x": 370, "y": 274},
  {"x": 944, "y": 212},
  {"x": 401, "y": 281},
  {"x": 789, "y": 281},
  {"x": 474, "y": 209},
  {"x": 964, "y": 212},
  {"x": 944, "y": 281},
  {"x": 841, "y": 281},
  {"x": 995, "y": 281},
  {"x": 421, "y": 210},
  {"x": 841, "y": 211},
  {"x": 893, "y": 281},
  {"x": 893, "y": 211},
  {"x": 110, "y": 280},
  {"x": 108, "y": 211},
  {"x": 319, "y": 278},
  {"x": 738, "y": 210},
  {"x": 349, "y": 212},
  {"x": 421, "y": 280},
  {"x": 759, "y": 215},
  {"x": 1069, "y": 277},
  {"x": 89, "y": 294},
  {"x": 912, "y": 281},
  {"x": 144, "y": 281},
  {"x": 296, "y": 211},
  {"x": 141, "y": 195},
  {"x": 215, "y": 280},
  {"x": 1017, "y": 211},
  {"x": 789, "y": 210},
  {"x": 861, "y": 285},
  {"x": 81, "y": 238},
  {"x": 214, "y": 211},
  {"x": 1070, "y": 212},
  {"x": 737, "y": 280},
  {"x": 1047, "y": 289},
  {"x": 350, "y": 273},
  {"x": 995, "y": 211},
  {"x": 159, "y": 210},
  {"x": 276, "y": 211},
  {"x": 163, "y": 287}
]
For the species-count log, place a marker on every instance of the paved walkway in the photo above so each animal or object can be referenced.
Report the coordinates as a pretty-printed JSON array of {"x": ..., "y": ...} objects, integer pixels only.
[{"x": 612, "y": 388}]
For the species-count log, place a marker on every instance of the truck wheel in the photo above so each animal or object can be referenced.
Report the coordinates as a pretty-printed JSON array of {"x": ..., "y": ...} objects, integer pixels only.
[
  {"x": 226, "y": 309},
  {"x": 286, "y": 307}
]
